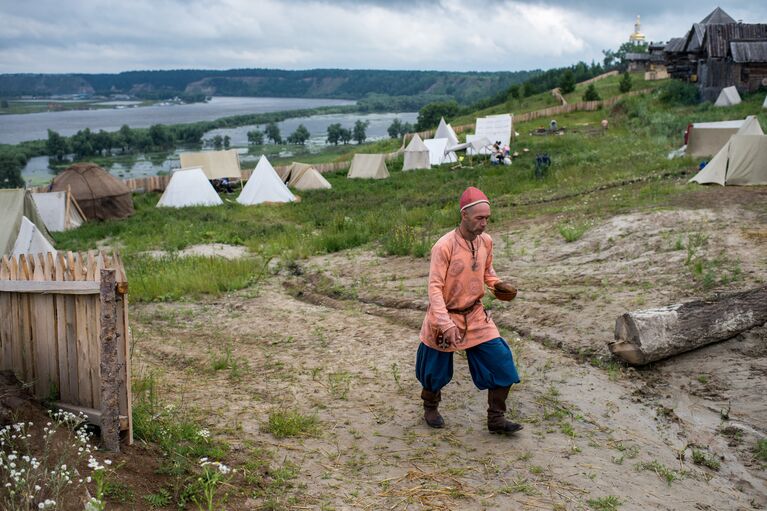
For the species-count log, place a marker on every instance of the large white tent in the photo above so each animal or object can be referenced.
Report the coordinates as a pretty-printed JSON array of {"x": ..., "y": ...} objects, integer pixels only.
[
  {"x": 59, "y": 210},
  {"x": 416, "y": 155},
  {"x": 264, "y": 185},
  {"x": 707, "y": 138},
  {"x": 742, "y": 161},
  {"x": 728, "y": 97},
  {"x": 215, "y": 164},
  {"x": 497, "y": 128},
  {"x": 438, "y": 153},
  {"x": 368, "y": 166},
  {"x": 189, "y": 187}
]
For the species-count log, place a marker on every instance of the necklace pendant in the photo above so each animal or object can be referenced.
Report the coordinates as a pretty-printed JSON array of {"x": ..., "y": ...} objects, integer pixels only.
[{"x": 474, "y": 266}]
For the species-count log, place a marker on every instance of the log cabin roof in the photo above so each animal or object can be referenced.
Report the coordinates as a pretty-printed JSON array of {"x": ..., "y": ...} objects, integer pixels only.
[{"x": 749, "y": 51}]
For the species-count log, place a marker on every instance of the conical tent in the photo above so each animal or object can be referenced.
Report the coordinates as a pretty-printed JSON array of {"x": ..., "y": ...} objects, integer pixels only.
[
  {"x": 294, "y": 172},
  {"x": 728, "y": 97},
  {"x": 101, "y": 196},
  {"x": 310, "y": 179},
  {"x": 416, "y": 155},
  {"x": 742, "y": 161},
  {"x": 22, "y": 226},
  {"x": 189, "y": 187},
  {"x": 215, "y": 164},
  {"x": 750, "y": 126},
  {"x": 264, "y": 185},
  {"x": 368, "y": 166},
  {"x": 444, "y": 130},
  {"x": 59, "y": 210}
]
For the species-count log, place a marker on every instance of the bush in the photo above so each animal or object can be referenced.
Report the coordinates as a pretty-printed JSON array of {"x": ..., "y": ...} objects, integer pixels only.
[
  {"x": 677, "y": 92},
  {"x": 625, "y": 84},
  {"x": 567, "y": 82},
  {"x": 591, "y": 93}
]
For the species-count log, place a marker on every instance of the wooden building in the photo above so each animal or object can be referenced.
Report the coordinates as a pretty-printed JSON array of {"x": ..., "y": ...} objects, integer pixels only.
[{"x": 719, "y": 52}]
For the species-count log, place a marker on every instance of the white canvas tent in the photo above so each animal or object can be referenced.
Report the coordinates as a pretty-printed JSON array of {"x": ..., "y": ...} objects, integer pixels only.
[
  {"x": 308, "y": 178},
  {"x": 742, "y": 161},
  {"x": 707, "y": 138},
  {"x": 31, "y": 240},
  {"x": 368, "y": 166},
  {"x": 728, "y": 97},
  {"x": 215, "y": 164},
  {"x": 497, "y": 128},
  {"x": 22, "y": 229},
  {"x": 764, "y": 105},
  {"x": 189, "y": 187},
  {"x": 59, "y": 210},
  {"x": 264, "y": 185},
  {"x": 479, "y": 144},
  {"x": 416, "y": 155},
  {"x": 444, "y": 130},
  {"x": 438, "y": 153}
]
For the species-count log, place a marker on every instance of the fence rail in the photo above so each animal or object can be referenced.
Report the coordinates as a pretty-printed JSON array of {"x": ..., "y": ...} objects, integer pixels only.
[{"x": 52, "y": 309}]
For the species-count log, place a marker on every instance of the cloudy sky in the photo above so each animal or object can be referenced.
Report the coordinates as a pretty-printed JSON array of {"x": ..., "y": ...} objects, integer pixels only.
[{"x": 55, "y": 36}]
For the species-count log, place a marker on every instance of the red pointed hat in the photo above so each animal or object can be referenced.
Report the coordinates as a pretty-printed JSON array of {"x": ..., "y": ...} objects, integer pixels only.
[{"x": 472, "y": 196}]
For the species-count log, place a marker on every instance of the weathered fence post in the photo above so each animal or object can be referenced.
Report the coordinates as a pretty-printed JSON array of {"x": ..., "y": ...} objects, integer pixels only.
[{"x": 110, "y": 367}]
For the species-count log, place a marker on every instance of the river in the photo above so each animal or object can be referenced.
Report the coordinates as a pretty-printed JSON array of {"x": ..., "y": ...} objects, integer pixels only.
[
  {"x": 22, "y": 127},
  {"x": 37, "y": 171}
]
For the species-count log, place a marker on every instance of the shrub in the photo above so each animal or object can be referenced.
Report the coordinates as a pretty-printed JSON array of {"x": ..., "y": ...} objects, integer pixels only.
[
  {"x": 591, "y": 93},
  {"x": 677, "y": 92},
  {"x": 625, "y": 84}
]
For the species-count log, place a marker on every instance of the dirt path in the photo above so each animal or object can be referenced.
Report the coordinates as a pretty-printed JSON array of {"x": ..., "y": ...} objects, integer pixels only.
[{"x": 344, "y": 353}]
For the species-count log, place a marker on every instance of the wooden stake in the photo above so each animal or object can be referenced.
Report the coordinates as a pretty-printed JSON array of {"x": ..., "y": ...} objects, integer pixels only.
[{"x": 110, "y": 367}]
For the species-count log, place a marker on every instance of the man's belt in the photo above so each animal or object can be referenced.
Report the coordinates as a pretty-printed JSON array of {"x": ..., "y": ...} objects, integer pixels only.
[{"x": 465, "y": 311}]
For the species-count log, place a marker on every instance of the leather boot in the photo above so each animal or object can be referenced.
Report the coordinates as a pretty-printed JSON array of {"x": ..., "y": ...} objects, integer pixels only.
[
  {"x": 430, "y": 413},
  {"x": 496, "y": 410}
]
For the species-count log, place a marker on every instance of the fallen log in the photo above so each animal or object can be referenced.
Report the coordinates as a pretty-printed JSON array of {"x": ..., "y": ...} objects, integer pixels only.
[{"x": 648, "y": 335}]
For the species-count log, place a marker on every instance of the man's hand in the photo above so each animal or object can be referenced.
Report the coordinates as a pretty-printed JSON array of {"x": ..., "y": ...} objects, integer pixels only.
[{"x": 453, "y": 336}]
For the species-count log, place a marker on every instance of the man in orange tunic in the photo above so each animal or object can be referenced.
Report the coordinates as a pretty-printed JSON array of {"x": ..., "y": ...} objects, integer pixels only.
[{"x": 461, "y": 266}]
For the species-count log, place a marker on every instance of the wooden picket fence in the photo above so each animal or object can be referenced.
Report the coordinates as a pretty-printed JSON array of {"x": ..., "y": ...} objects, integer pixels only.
[{"x": 64, "y": 333}]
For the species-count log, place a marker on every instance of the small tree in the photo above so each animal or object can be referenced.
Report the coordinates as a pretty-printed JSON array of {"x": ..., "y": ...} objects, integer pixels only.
[
  {"x": 218, "y": 141},
  {"x": 272, "y": 132},
  {"x": 256, "y": 137},
  {"x": 227, "y": 141},
  {"x": 11, "y": 164},
  {"x": 334, "y": 133},
  {"x": 358, "y": 134},
  {"x": 395, "y": 128},
  {"x": 567, "y": 82},
  {"x": 625, "y": 83},
  {"x": 591, "y": 93},
  {"x": 125, "y": 137},
  {"x": 300, "y": 136},
  {"x": 345, "y": 135},
  {"x": 57, "y": 146},
  {"x": 429, "y": 115}
]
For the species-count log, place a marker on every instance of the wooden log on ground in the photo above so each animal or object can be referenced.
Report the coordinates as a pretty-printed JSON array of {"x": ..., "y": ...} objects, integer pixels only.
[{"x": 648, "y": 335}]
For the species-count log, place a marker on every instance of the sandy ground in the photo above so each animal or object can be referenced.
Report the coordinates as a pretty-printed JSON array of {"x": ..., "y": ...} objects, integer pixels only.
[
  {"x": 342, "y": 349},
  {"x": 207, "y": 250}
]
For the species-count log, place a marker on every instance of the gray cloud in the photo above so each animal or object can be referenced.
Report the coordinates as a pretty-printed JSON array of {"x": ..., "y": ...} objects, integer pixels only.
[{"x": 106, "y": 36}]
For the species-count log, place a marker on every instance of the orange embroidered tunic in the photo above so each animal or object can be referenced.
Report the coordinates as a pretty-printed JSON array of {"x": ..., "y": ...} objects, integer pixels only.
[{"x": 455, "y": 285}]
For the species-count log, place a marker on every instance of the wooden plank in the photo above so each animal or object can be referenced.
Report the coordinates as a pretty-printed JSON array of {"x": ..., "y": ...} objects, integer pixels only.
[
  {"x": 62, "y": 361},
  {"x": 127, "y": 394},
  {"x": 6, "y": 341},
  {"x": 94, "y": 348},
  {"x": 84, "y": 394},
  {"x": 71, "y": 343},
  {"x": 49, "y": 287},
  {"x": 39, "y": 342},
  {"x": 25, "y": 324}
]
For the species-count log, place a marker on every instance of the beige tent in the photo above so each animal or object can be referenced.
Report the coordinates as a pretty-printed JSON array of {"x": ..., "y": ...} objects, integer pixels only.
[
  {"x": 416, "y": 155},
  {"x": 707, "y": 138},
  {"x": 368, "y": 166},
  {"x": 728, "y": 97},
  {"x": 22, "y": 229},
  {"x": 305, "y": 177},
  {"x": 59, "y": 210},
  {"x": 742, "y": 161},
  {"x": 215, "y": 164}
]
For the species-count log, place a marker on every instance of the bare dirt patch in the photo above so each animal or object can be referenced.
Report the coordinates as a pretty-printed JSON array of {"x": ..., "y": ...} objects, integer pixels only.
[{"x": 205, "y": 250}]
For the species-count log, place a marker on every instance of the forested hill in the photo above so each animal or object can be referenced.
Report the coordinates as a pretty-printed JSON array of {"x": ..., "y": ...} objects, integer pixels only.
[{"x": 315, "y": 83}]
